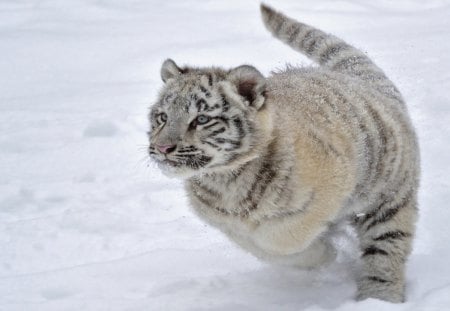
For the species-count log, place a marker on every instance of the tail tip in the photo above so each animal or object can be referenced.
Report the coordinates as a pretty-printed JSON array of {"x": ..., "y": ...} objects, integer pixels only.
[{"x": 266, "y": 11}]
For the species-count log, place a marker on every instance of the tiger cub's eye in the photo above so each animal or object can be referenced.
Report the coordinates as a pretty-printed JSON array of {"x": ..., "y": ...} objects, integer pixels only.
[
  {"x": 161, "y": 118},
  {"x": 202, "y": 119}
]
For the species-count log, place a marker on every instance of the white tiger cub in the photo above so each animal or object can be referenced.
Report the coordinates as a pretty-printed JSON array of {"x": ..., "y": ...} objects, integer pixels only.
[{"x": 275, "y": 161}]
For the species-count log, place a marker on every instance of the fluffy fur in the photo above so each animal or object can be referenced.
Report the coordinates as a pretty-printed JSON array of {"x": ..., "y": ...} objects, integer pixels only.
[{"x": 274, "y": 162}]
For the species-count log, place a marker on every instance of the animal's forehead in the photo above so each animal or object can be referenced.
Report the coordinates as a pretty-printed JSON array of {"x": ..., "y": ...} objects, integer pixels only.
[
  {"x": 174, "y": 103},
  {"x": 181, "y": 95},
  {"x": 185, "y": 85},
  {"x": 174, "y": 100},
  {"x": 177, "y": 91}
]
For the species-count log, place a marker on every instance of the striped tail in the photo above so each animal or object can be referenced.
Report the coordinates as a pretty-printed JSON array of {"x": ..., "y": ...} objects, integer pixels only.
[{"x": 327, "y": 50}]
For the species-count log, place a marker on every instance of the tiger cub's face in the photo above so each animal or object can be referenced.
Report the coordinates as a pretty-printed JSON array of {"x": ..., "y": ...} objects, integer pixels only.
[{"x": 204, "y": 119}]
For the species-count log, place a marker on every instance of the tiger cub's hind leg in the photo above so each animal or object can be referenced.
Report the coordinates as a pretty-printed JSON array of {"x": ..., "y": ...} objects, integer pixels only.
[{"x": 385, "y": 236}]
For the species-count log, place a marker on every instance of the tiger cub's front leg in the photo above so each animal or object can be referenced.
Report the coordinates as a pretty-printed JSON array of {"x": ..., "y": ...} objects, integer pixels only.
[{"x": 299, "y": 238}]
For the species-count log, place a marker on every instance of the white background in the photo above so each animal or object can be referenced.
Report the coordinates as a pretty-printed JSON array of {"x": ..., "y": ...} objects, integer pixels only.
[{"x": 86, "y": 223}]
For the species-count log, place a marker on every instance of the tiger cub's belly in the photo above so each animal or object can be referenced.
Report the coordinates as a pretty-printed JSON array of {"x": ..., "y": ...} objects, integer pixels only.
[{"x": 262, "y": 237}]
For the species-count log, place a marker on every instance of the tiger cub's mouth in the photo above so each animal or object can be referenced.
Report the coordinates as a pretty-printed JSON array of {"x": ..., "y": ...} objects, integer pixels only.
[
  {"x": 192, "y": 162},
  {"x": 170, "y": 162}
]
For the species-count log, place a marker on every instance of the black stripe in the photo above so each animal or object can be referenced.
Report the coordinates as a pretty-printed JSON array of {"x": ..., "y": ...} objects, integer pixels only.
[
  {"x": 201, "y": 105},
  {"x": 210, "y": 79},
  {"x": 374, "y": 210},
  {"x": 391, "y": 212},
  {"x": 392, "y": 235},
  {"x": 240, "y": 127},
  {"x": 211, "y": 144},
  {"x": 205, "y": 91},
  {"x": 344, "y": 109},
  {"x": 225, "y": 103},
  {"x": 262, "y": 180},
  {"x": 306, "y": 37},
  {"x": 372, "y": 250},
  {"x": 382, "y": 148},
  {"x": 185, "y": 155},
  {"x": 188, "y": 148},
  {"x": 223, "y": 119},
  {"x": 332, "y": 51},
  {"x": 314, "y": 43},
  {"x": 384, "y": 199},
  {"x": 294, "y": 34},
  {"x": 296, "y": 211},
  {"x": 235, "y": 144},
  {"x": 349, "y": 62},
  {"x": 194, "y": 97},
  {"x": 377, "y": 279},
  {"x": 210, "y": 125},
  {"x": 217, "y": 132},
  {"x": 205, "y": 190},
  {"x": 215, "y": 107},
  {"x": 369, "y": 146},
  {"x": 210, "y": 204},
  {"x": 361, "y": 220},
  {"x": 285, "y": 192}
]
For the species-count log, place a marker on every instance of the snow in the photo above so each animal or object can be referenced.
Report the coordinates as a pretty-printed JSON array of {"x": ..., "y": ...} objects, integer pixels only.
[{"x": 87, "y": 223}]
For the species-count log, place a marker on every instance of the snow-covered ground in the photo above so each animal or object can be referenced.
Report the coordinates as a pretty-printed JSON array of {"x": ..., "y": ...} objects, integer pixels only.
[{"x": 87, "y": 224}]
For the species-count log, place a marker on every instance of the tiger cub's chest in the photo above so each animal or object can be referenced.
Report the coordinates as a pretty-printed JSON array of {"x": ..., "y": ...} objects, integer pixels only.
[
  {"x": 229, "y": 205},
  {"x": 243, "y": 207}
]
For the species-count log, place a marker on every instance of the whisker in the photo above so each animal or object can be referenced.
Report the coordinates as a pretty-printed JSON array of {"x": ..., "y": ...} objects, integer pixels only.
[{"x": 143, "y": 163}]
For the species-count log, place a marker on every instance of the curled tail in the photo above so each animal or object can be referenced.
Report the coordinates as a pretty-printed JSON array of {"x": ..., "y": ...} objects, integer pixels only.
[{"x": 327, "y": 50}]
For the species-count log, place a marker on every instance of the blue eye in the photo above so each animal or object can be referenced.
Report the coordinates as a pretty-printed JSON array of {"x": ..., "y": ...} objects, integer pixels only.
[{"x": 202, "y": 119}]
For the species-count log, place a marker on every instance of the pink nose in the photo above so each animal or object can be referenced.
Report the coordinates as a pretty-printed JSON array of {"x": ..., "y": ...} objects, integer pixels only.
[{"x": 166, "y": 148}]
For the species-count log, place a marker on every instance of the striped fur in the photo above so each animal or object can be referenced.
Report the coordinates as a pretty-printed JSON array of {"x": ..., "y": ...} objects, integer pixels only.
[{"x": 273, "y": 162}]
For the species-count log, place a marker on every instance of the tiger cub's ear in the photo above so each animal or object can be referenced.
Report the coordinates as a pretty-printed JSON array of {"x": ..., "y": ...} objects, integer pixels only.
[
  {"x": 169, "y": 70},
  {"x": 250, "y": 84}
]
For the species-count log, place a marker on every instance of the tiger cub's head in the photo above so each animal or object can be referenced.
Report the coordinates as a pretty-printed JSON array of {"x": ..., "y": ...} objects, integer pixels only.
[{"x": 207, "y": 119}]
